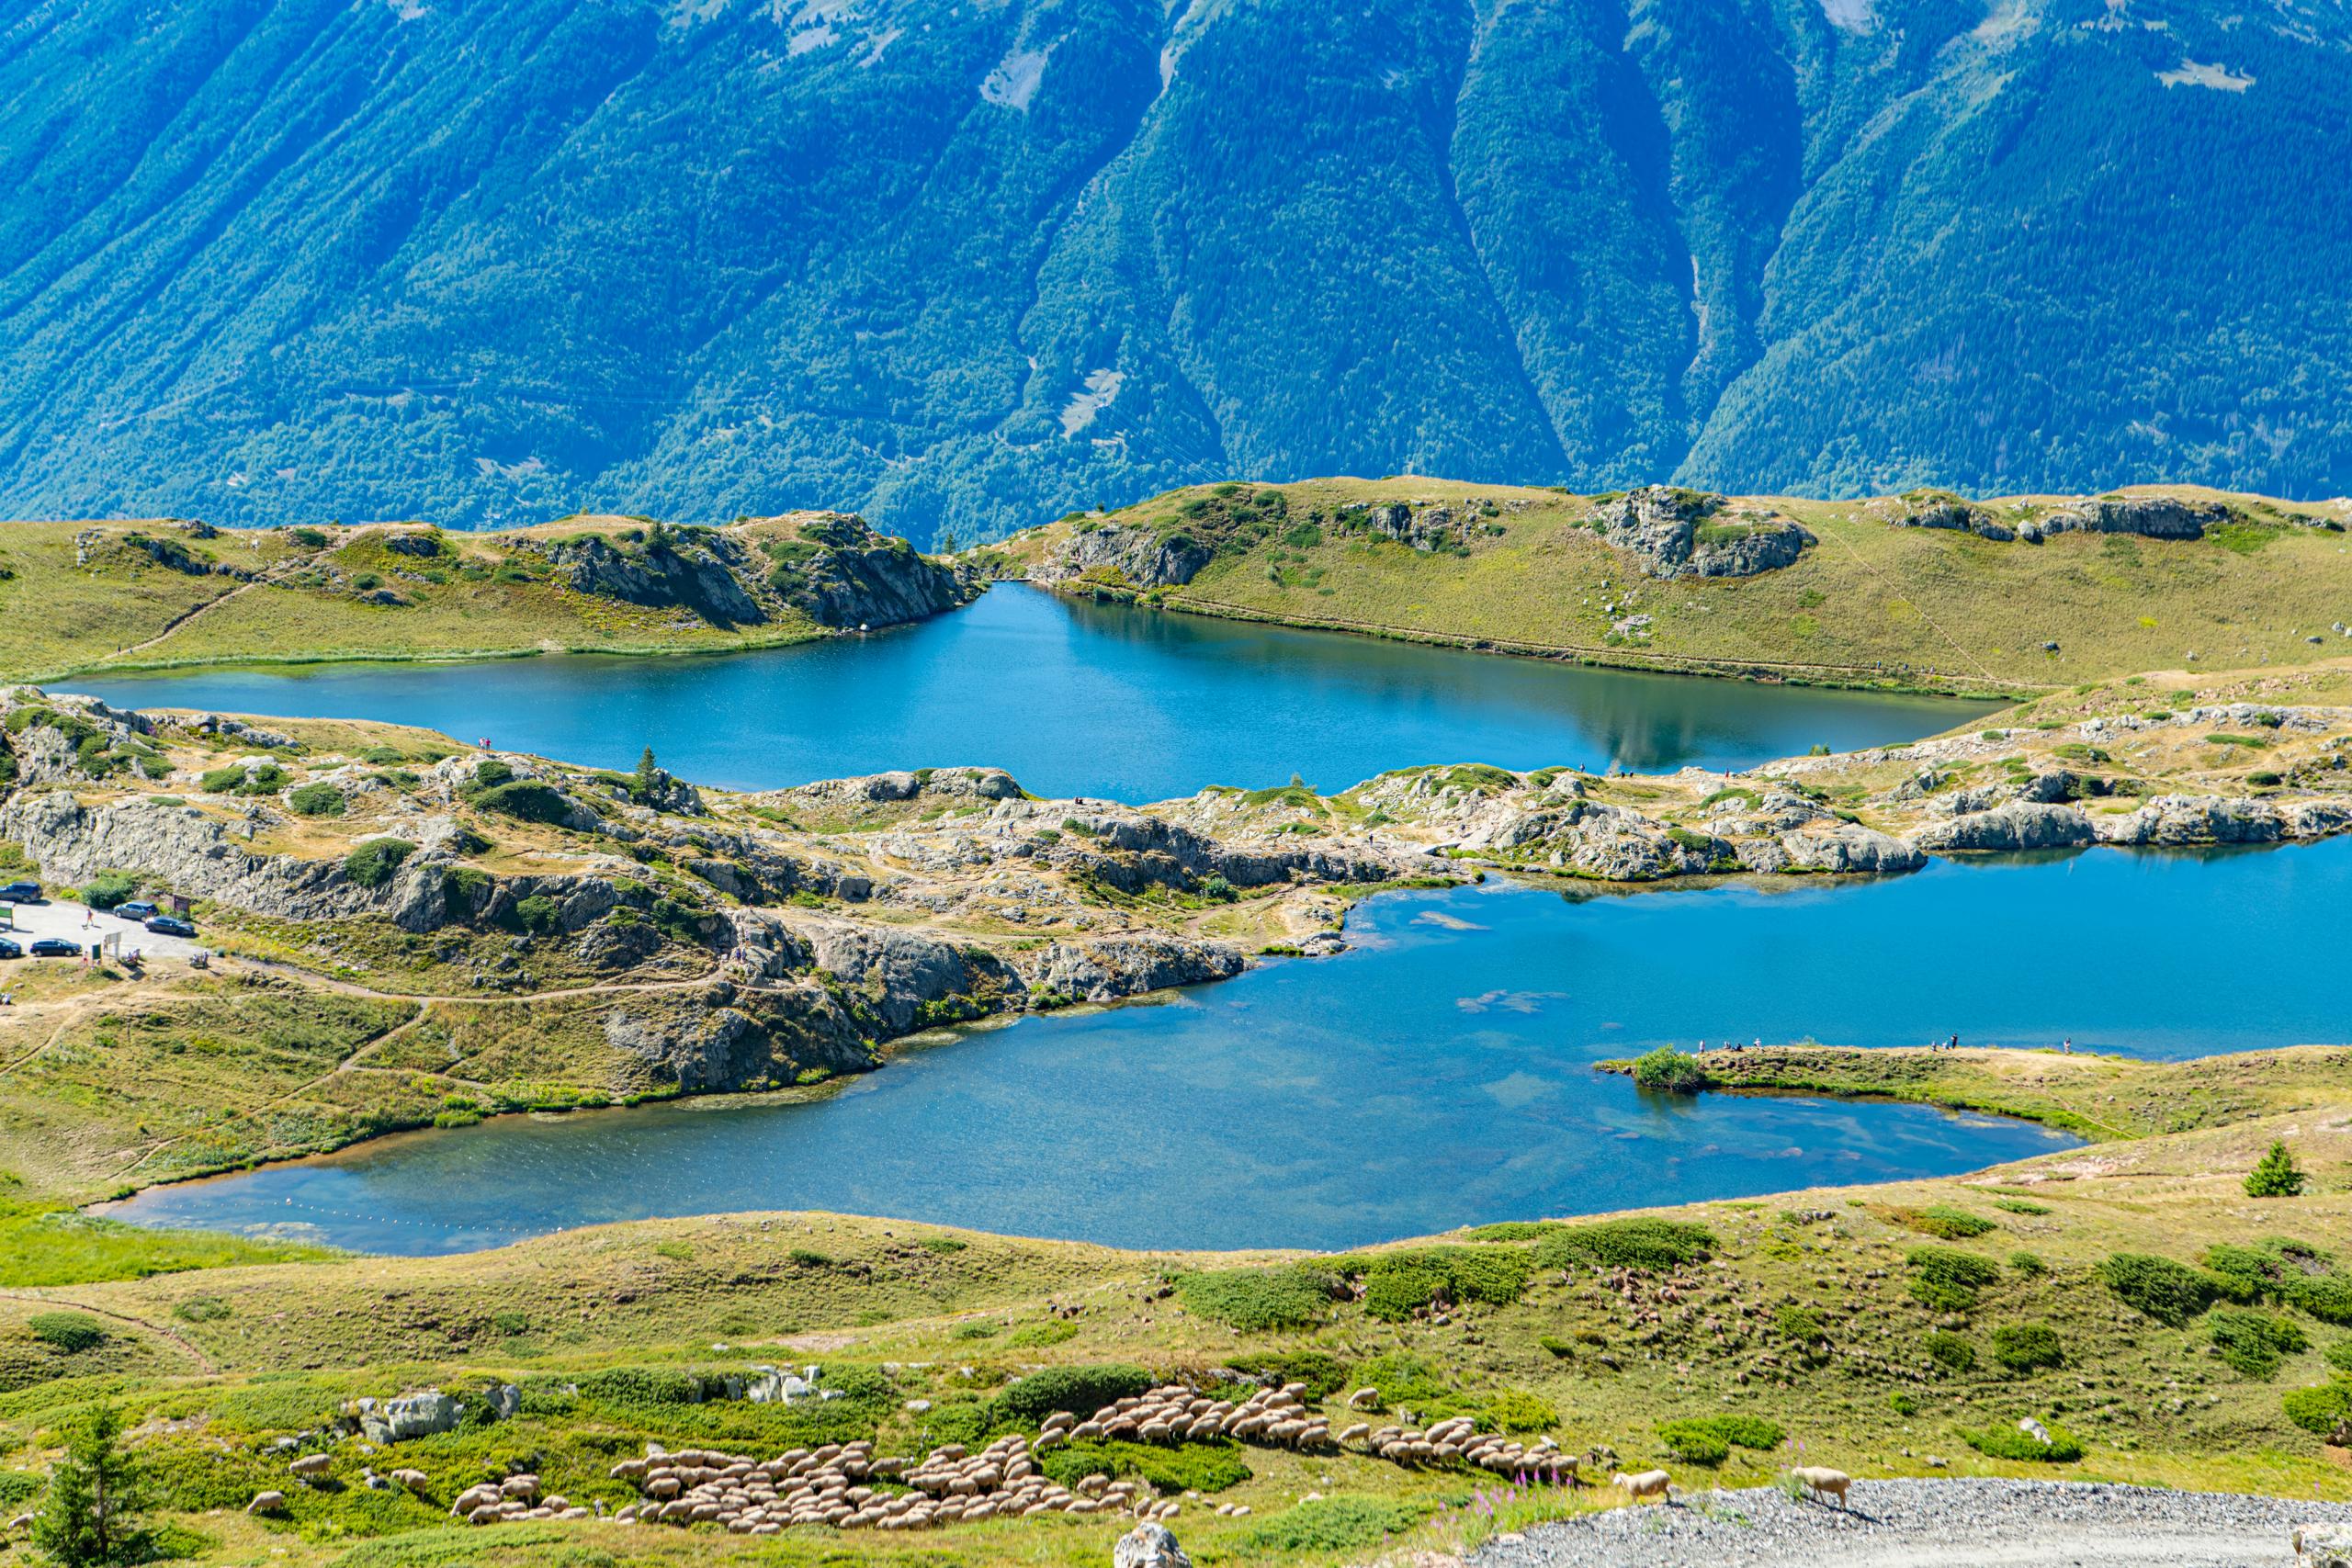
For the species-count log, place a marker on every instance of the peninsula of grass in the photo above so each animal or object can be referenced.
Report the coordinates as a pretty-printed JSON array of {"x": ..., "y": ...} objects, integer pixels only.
[
  {"x": 160, "y": 595},
  {"x": 2095, "y": 1097},
  {"x": 1870, "y": 604}
]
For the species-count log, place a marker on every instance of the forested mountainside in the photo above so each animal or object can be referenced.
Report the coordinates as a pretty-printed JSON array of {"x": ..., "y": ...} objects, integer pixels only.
[{"x": 964, "y": 266}]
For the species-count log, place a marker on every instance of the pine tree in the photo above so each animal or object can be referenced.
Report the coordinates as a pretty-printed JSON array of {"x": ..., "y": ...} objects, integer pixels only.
[
  {"x": 90, "y": 1516},
  {"x": 648, "y": 780},
  {"x": 2278, "y": 1174}
]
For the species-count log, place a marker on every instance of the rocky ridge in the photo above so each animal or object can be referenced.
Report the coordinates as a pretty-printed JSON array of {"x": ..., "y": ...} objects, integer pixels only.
[{"x": 828, "y": 919}]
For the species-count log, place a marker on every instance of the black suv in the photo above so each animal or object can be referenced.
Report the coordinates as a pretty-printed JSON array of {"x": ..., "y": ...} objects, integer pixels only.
[
  {"x": 169, "y": 925},
  {"x": 55, "y": 947},
  {"x": 22, "y": 893}
]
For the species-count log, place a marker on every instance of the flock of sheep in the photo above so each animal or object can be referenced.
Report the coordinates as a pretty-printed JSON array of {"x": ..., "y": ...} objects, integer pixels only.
[
  {"x": 843, "y": 1484},
  {"x": 834, "y": 1485}
]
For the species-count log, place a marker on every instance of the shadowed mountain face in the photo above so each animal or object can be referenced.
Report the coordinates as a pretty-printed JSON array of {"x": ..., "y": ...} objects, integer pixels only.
[{"x": 966, "y": 266}]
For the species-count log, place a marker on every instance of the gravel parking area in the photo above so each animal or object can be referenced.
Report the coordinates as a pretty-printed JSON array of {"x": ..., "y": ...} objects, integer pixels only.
[
  {"x": 58, "y": 918},
  {"x": 1930, "y": 1524}
]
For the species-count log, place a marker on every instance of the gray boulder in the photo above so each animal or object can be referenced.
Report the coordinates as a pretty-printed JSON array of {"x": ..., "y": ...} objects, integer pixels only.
[
  {"x": 2020, "y": 824},
  {"x": 1149, "y": 1546}
]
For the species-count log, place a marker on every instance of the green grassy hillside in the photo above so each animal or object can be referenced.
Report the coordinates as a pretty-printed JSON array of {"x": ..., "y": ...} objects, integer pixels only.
[
  {"x": 2134, "y": 1299},
  {"x": 1522, "y": 570},
  {"x": 77, "y": 596}
]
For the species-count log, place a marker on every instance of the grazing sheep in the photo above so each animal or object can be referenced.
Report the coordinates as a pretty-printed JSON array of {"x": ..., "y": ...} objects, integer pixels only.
[
  {"x": 1648, "y": 1483},
  {"x": 1823, "y": 1481},
  {"x": 267, "y": 1502},
  {"x": 413, "y": 1481},
  {"x": 309, "y": 1467}
]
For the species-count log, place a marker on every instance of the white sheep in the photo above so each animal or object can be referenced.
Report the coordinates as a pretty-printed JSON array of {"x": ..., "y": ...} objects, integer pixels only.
[
  {"x": 1648, "y": 1483},
  {"x": 1823, "y": 1481}
]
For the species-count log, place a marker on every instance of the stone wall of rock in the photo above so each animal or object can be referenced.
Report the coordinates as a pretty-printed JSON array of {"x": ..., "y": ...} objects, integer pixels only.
[
  {"x": 1678, "y": 533},
  {"x": 1143, "y": 557}
]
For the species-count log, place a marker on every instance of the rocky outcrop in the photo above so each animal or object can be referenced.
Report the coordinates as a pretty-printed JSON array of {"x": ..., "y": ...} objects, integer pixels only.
[
  {"x": 194, "y": 853},
  {"x": 2149, "y": 516},
  {"x": 903, "y": 978},
  {"x": 1109, "y": 968},
  {"x": 861, "y": 577},
  {"x": 1680, "y": 533},
  {"x": 1426, "y": 527},
  {"x": 1941, "y": 508},
  {"x": 2018, "y": 825},
  {"x": 696, "y": 570},
  {"x": 727, "y": 1039},
  {"x": 1136, "y": 557}
]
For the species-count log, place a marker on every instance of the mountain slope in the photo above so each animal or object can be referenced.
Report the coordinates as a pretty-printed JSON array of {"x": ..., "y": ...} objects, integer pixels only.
[{"x": 489, "y": 261}]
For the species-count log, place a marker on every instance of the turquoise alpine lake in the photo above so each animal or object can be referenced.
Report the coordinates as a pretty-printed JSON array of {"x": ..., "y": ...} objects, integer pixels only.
[
  {"x": 1072, "y": 698},
  {"x": 1439, "y": 1074}
]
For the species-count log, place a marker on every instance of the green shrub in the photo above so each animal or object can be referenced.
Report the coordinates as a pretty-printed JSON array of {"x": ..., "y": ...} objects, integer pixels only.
[
  {"x": 1563, "y": 1348},
  {"x": 2020, "y": 1206},
  {"x": 1800, "y": 1323},
  {"x": 1492, "y": 1274},
  {"x": 71, "y": 1332},
  {"x": 1511, "y": 1230},
  {"x": 1393, "y": 1292},
  {"x": 1903, "y": 1403},
  {"x": 110, "y": 888},
  {"x": 1038, "y": 1335},
  {"x": 1693, "y": 1443},
  {"x": 202, "y": 1309},
  {"x": 1081, "y": 1391},
  {"x": 1948, "y": 1350},
  {"x": 1346, "y": 1523},
  {"x": 372, "y": 862},
  {"x": 2026, "y": 1346},
  {"x": 1949, "y": 1281},
  {"x": 1669, "y": 1071},
  {"x": 2028, "y": 1265},
  {"x": 1189, "y": 1467},
  {"x": 2168, "y": 1291},
  {"x": 1949, "y": 1223},
  {"x": 1323, "y": 1373},
  {"x": 2325, "y": 1409},
  {"x": 1515, "y": 1410},
  {"x": 320, "y": 799},
  {"x": 1640, "y": 1242},
  {"x": 2254, "y": 1343},
  {"x": 1709, "y": 1439},
  {"x": 2327, "y": 1297},
  {"x": 237, "y": 779},
  {"x": 2339, "y": 1355},
  {"x": 2008, "y": 1442},
  {"x": 539, "y": 915},
  {"x": 527, "y": 800},
  {"x": 308, "y": 538},
  {"x": 2276, "y": 1174},
  {"x": 1255, "y": 1300}
]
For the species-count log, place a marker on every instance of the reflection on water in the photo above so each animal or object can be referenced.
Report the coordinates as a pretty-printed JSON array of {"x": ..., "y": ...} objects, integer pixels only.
[
  {"x": 1074, "y": 698},
  {"x": 1441, "y": 1074}
]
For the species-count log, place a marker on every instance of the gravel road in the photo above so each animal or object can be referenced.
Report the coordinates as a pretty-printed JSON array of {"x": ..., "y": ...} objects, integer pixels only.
[{"x": 1930, "y": 1524}]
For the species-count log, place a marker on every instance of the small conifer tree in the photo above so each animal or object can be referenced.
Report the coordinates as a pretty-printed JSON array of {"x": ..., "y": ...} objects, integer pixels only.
[
  {"x": 90, "y": 1518},
  {"x": 2276, "y": 1175},
  {"x": 648, "y": 780}
]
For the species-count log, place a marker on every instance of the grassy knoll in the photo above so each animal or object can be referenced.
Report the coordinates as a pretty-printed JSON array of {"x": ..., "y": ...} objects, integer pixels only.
[
  {"x": 1869, "y": 602},
  {"x": 2099, "y": 1098},
  {"x": 1838, "y": 1317},
  {"x": 86, "y": 596}
]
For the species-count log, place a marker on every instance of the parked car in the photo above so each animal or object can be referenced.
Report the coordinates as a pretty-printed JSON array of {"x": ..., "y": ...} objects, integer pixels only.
[
  {"x": 137, "y": 909},
  {"x": 22, "y": 893},
  {"x": 169, "y": 925},
  {"x": 55, "y": 947},
  {"x": 9, "y": 949}
]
